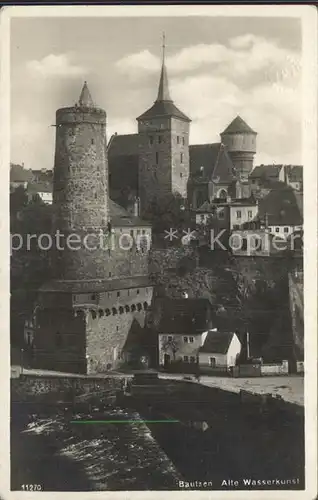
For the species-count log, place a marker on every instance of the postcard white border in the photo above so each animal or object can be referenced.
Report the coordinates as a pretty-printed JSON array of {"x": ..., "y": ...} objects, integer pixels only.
[{"x": 308, "y": 16}]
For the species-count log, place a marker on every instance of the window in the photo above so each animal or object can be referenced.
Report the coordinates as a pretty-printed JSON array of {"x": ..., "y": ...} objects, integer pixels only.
[
  {"x": 143, "y": 231},
  {"x": 93, "y": 297},
  {"x": 250, "y": 214},
  {"x": 181, "y": 157},
  {"x": 181, "y": 175},
  {"x": 178, "y": 139},
  {"x": 192, "y": 359},
  {"x": 159, "y": 139},
  {"x": 157, "y": 157},
  {"x": 277, "y": 229},
  {"x": 183, "y": 140},
  {"x": 212, "y": 362},
  {"x": 118, "y": 294},
  {"x": 221, "y": 214},
  {"x": 186, "y": 359},
  {"x": 286, "y": 229},
  {"x": 138, "y": 231},
  {"x": 137, "y": 292},
  {"x": 236, "y": 226},
  {"x": 169, "y": 338},
  {"x": 191, "y": 339},
  {"x": 58, "y": 339},
  {"x": 238, "y": 214},
  {"x": 92, "y": 141},
  {"x": 185, "y": 339},
  {"x": 150, "y": 140},
  {"x": 244, "y": 244},
  {"x": 109, "y": 275},
  {"x": 131, "y": 232}
]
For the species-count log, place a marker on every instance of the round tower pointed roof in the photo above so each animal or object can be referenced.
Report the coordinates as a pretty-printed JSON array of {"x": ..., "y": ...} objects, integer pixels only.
[
  {"x": 85, "y": 99},
  {"x": 238, "y": 126}
]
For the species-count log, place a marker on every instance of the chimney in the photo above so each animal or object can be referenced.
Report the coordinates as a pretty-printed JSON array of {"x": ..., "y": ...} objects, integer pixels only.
[{"x": 136, "y": 207}]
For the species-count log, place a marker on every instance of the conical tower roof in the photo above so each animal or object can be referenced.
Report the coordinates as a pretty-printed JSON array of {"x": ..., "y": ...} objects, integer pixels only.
[
  {"x": 238, "y": 126},
  {"x": 85, "y": 99}
]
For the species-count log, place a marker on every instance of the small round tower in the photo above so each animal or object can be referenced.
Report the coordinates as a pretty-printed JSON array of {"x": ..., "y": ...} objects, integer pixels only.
[
  {"x": 240, "y": 141},
  {"x": 80, "y": 187}
]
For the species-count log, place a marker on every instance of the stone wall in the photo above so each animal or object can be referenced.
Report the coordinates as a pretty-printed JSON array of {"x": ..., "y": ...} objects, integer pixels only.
[
  {"x": 80, "y": 190},
  {"x": 109, "y": 338},
  {"x": 40, "y": 388},
  {"x": 162, "y": 170}
]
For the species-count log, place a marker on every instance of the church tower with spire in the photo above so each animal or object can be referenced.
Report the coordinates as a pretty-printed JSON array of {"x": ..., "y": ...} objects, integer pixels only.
[{"x": 164, "y": 147}]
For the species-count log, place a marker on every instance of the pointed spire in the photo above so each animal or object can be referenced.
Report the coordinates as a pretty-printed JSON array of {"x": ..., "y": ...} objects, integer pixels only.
[
  {"x": 85, "y": 99},
  {"x": 163, "y": 91}
]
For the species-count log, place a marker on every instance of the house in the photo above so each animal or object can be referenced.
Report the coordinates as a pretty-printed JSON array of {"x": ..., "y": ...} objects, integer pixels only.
[
  {"x": 43, "y": 190},
  {"x": 283, "y": 210},
  {"x": 263, "y": 173},
  {"x": 294, "y": 176},
  {"x": 229, "y": 214},
  {"x": 220, "y": 350},
  {"x": 19, "y": 176},
  {"x": 181, "y": 324}
]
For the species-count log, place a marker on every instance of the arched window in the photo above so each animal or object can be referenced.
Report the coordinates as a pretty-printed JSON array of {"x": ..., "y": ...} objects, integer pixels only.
[
  {"x": 139, "y": 306},
  {"x": 145, "y": 306},
  {"x": 222, "y": 194},
  {"x": 93, "y": 314},
  {"x": 121, "y": 310},
  {"x": 133, "y": 308},
  {"x": 101, "y": 313},
  {"x": 127, "y": 309},
  {"x": 114, "y": 311},
  {"x": 107, "y": 312}
]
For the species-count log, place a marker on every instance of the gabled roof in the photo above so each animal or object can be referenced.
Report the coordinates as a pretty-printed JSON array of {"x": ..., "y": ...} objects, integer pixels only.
[
  {"x": 238, "y": 126},
  {"x": 217, "y": 342},
  {"x": 183, "y": 316},
  {"x": 40, "y": 187},
  {"x": 19, "y": 174},
  {"x": 215, "y": 160},
  {"x": 294, "y": 172},
  {"x": 281, "y": 207},
  {"x": 265, "y": 171},
  {"x": 123, "y": 145}
]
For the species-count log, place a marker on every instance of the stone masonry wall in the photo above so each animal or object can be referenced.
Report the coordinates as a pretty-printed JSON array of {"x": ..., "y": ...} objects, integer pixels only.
[{"x": 107, "y": 336}]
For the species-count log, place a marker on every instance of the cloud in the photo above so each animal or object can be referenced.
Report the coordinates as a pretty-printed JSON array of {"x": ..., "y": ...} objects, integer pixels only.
[
  {"x": 55, "y": 65},
  {"x": 138, "y": 64},
  {"x": 242, "y": 57}
]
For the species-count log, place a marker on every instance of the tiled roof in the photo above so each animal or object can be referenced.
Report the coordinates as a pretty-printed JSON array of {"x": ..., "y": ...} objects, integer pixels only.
[
  {"x": 40, "y": 187},
  {"x": 281, "y": 207},
  {"x": 217, "y": 342},
  {"x": 183, "y": 316},
  {"x": 85, "y": 99},
  {"x": 216, "y": 163},
  {"x": 127, "y": 144},
  {"x": 163, "y": 108},
  {"x": 238, "y": 125},
  {"x": 266, "y": 171},
  {"x": 95, "y": 285},
  {"x": 19, "y": 174},
  {"x": 294, "y": 172}
]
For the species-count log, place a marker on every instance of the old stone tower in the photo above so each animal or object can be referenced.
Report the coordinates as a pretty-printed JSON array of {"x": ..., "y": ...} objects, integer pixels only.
[
  {"x": 163, "y": 147},
  {"x": 240, "y": 142},
  {"x": 85, "y": 318},
  {"x": 80, "y": 188}
]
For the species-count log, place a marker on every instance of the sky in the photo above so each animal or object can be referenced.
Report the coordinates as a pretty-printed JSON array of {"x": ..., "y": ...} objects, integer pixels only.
[{"x": 218, "y": 67}]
